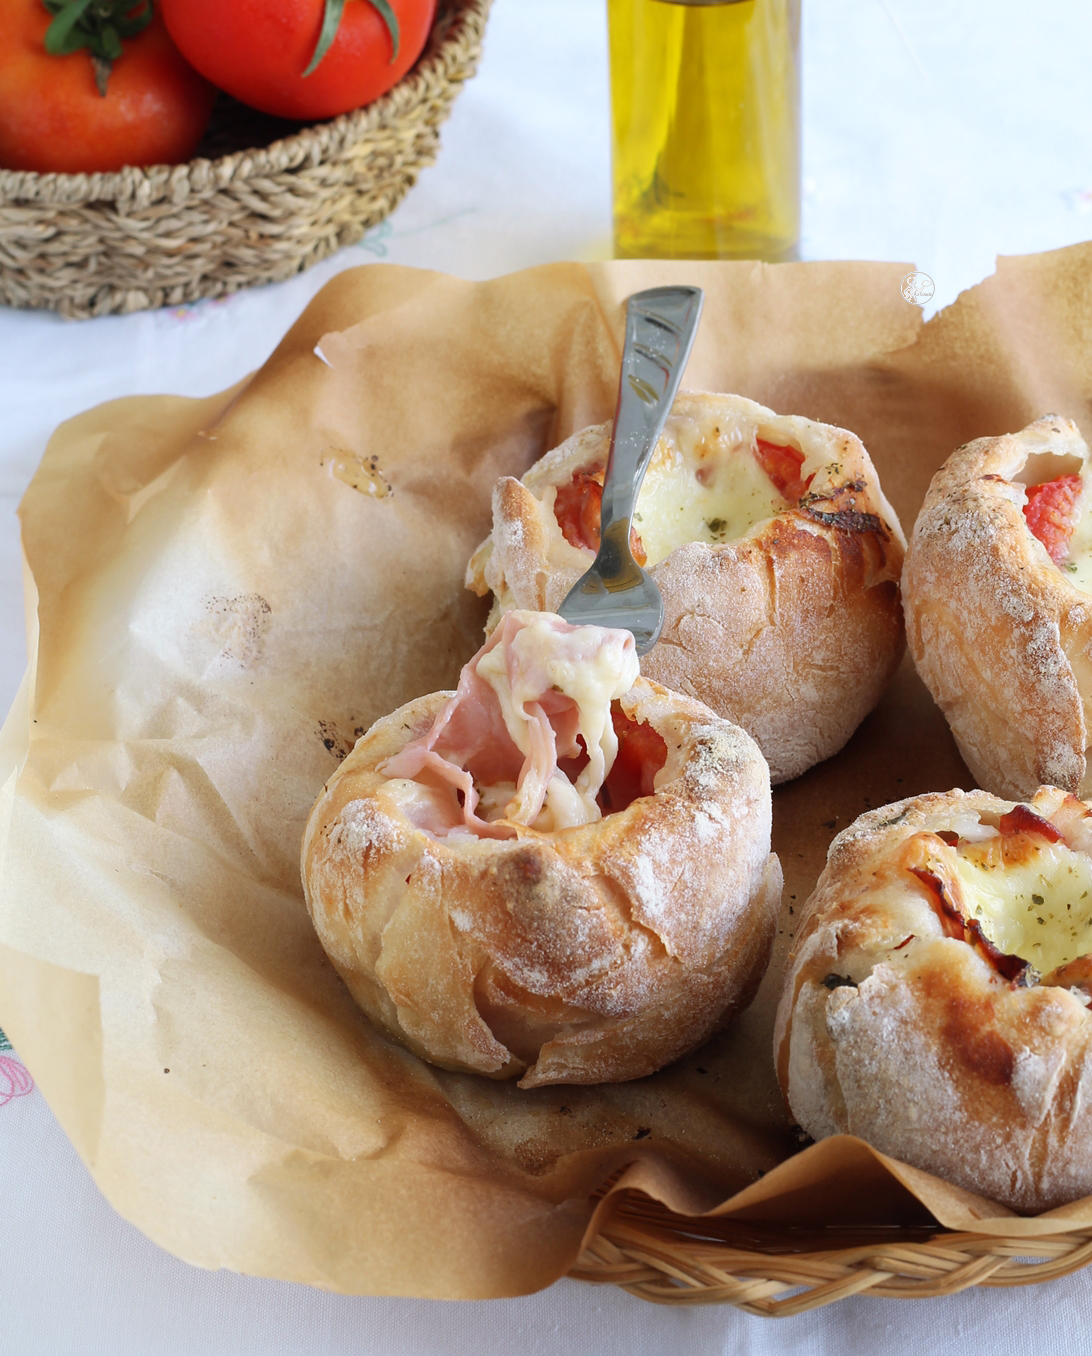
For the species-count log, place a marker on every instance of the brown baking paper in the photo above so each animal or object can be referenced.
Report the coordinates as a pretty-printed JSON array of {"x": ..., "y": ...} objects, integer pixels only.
[{"x": 224, "y": 593}]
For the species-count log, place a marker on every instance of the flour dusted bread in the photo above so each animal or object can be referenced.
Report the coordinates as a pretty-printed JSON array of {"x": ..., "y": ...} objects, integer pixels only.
[
  {"x": 936, "y": 1002},
  {"x": 777, "y": 555},
  {"x": 560, "y": 873},
  {"x": 998, "y": 597}
]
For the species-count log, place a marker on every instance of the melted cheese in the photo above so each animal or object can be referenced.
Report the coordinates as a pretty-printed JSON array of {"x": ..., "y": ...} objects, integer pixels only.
[
  {"x": 589, "y": 664},
  {"x": 1077, "y": 566},
  {"x": 702, "y": 488},
  {"x": 1039, "y": 909},
  {"x": 426, "y": 807},
  {"x": 551, "y": 685}
]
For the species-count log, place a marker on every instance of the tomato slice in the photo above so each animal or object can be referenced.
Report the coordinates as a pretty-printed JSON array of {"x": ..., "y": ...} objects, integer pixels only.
[
  {"x": 1051, "y": 514},
  {"x": 641, "y": 754},
  {"x": 1023, "y": 819},
  {"x": 782, "y": 465},
  {"x": 578, "y": 509}
]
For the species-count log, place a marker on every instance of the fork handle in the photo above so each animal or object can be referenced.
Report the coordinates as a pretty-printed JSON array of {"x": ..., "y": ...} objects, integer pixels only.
[{"x": 660, "y": 327}]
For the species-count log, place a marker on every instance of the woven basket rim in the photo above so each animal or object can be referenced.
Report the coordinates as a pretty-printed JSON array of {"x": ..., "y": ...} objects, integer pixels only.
[
  {"x": 665, "y": 1258},
  {"x": 442, "y": 58}
]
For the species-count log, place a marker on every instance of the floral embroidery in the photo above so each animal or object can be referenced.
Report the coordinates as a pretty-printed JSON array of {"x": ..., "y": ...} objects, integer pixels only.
[{"x": 14, "y": 1079}]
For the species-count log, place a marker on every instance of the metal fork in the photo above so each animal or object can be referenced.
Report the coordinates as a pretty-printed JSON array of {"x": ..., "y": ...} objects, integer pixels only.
[{"x": 660, "y": 328}]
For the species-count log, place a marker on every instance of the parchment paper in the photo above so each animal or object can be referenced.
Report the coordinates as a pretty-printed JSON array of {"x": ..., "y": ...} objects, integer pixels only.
[{"x": 222, "y": 594}]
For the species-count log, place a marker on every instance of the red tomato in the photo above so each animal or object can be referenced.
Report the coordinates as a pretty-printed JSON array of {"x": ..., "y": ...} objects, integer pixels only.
[
  {"x": 53, "y": 119},
  {"x": 782, "y": 465},
  {"x": 1051, "y": 514},
  {"x": 578, "y": 509},
  {"x": 641, "y": 754},
  {"x": 257, "y": 50},
  {"x": 1023, "y": 819}
]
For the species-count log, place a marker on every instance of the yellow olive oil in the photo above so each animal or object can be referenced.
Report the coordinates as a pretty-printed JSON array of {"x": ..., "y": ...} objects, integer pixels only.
[{"x": 706, "y": 128}]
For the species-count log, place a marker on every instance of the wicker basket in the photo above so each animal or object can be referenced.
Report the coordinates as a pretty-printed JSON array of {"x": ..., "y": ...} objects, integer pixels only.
[
  {"x": 672, "y": 1259},
  {"x": 93, "y": 244}
]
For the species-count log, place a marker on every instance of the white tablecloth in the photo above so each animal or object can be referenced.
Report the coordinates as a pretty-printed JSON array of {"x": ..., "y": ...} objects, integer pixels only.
[{"x": 940, "y": 132}]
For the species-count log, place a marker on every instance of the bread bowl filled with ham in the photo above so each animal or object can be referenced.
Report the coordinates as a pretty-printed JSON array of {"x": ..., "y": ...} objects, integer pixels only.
[
  {"x": 936, "y": 1002},
  {"x": 777, "y": 555},
  {"x": 998, "y": 598},
  {"x": 561, "y": 872}
]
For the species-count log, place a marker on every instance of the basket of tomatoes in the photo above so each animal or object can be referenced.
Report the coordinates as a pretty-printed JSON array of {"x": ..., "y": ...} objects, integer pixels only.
[{"x": 153, "y": 152}]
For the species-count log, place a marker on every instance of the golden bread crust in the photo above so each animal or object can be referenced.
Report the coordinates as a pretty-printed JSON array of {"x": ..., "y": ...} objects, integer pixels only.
[
  {"x": 1000, "y": 636},
  {"x": 595, "y": 954},
  {"x": 892, "y": 1029},
  {"x": 792, "y": 630}
]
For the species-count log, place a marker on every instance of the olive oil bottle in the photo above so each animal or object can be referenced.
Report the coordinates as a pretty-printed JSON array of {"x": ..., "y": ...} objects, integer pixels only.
[{"x": 705, "y": 99}]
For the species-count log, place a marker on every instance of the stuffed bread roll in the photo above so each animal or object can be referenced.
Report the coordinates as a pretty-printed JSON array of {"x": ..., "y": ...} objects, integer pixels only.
[
  {"x": 998, "y": 597},
  {"x": 777, "y": 555},
  {"x": 936, "y": 1002},
  {"x": 559, "y": 873}
]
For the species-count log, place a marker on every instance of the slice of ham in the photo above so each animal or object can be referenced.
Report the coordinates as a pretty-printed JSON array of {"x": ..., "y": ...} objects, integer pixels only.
[
  {"x": 539, "y": 690},
  {"x": 1051, "y": 514}
]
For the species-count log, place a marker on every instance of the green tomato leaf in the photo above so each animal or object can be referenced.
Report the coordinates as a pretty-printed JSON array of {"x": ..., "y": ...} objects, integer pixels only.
[
  {"x": 72, "y": 43},
  {"x": 134, "y": 20},
  {"x": 391, "y": 20},
  {"x": 98, "y": 25},
  {"x": 111, "y": 43},
  {"x": 61, "y": 32},
  {"x": 331, "y": 22}
]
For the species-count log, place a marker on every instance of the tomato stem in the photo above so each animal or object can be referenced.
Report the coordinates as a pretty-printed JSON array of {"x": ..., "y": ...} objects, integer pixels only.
[
  {"x": 98, "y": 25},
  {"x": 331, "y": 22},
  {"x": 391, "y": 20},
  {"x": 102, "y": 73}
]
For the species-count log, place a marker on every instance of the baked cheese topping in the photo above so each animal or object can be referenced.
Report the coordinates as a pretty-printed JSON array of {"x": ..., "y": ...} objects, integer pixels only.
[
  {"x": 1038, "y": 908},
  {"x": 702, "y": 487},
  {"x": 538, "y": 691},
  {"x": 1058, "y": 511},
  {"x": 1076, "y": 564},
  {"x": 589, "y": 665}
]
